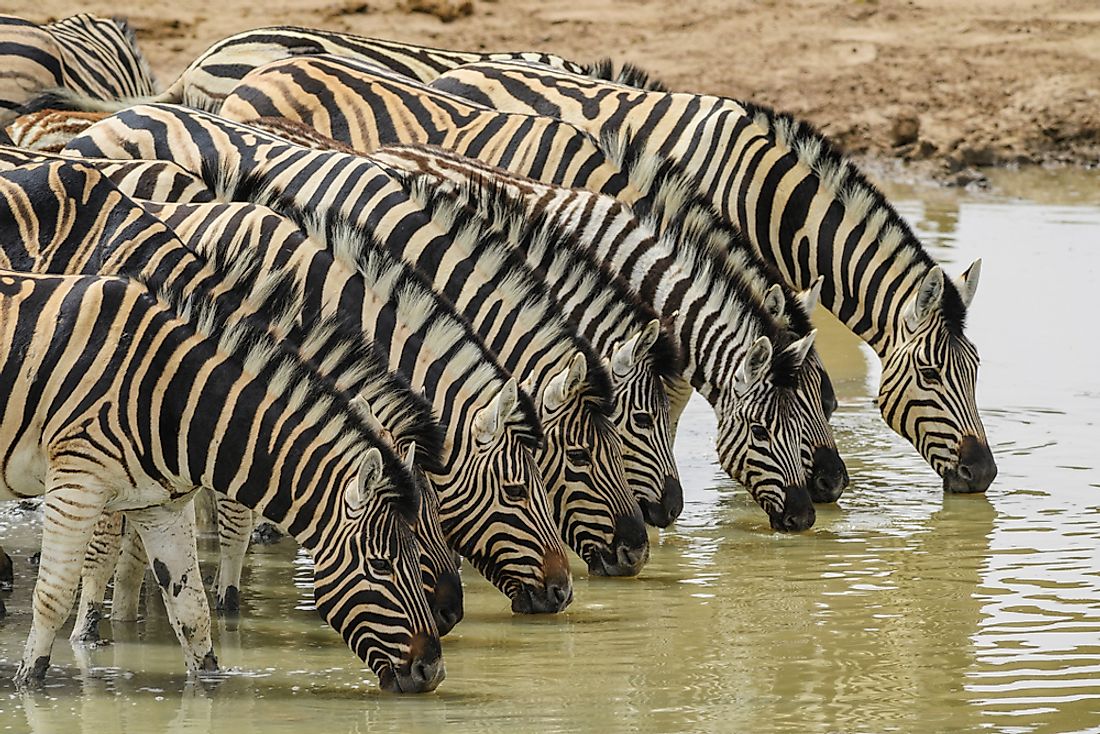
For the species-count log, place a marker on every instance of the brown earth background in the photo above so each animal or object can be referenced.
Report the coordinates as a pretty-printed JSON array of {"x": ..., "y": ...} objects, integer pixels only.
[{"x": 946, "y": 85}]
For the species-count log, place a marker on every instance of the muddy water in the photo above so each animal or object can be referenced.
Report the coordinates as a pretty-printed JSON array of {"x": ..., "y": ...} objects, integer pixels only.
[{"x": 902, "y": 610}]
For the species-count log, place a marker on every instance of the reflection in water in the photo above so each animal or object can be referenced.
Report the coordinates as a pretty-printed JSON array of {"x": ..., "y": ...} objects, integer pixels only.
[{"x": 902, "y": 610}]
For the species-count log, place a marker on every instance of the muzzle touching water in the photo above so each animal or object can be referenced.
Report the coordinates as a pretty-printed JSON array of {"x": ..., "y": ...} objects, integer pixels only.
[
  {"x": 447, "y": 603},
  {"x": 798, "y": 512},
  {"x": 554, "y": 595},
  {"x": 975, "y": 471},
  {"x": 672, "y": 504},
  {"x": 421, "y": 672},
  {"x": 628, "y": 552},
  {"x": 829, "y": 475}
]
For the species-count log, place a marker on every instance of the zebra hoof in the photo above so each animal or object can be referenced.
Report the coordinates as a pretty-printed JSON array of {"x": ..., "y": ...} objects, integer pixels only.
[
  {"x": 230, "y": 603},
  {"x": 7, "y": 571},
  {"x": 31, "y": 676}
]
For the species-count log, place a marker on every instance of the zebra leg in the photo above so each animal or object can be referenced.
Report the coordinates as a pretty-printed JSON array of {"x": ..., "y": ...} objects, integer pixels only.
[
  {"x": 71, "y": 513},
  {"x": 7, "y": 571},
  {"x": 168, "y": 533},
  {"x": 129, "y": 573},
  {"x": 99, "y": 563},
  {"x": 234, "y": 528}
]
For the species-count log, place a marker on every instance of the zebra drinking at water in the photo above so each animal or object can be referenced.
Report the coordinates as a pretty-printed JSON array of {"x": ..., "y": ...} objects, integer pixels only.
[
  {"x": 123, "y": 399},
  {"x": 812, "y": 214}
]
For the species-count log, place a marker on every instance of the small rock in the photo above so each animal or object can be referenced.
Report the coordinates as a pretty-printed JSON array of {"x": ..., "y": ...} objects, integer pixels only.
[
  {"x": 905, "y": 129},
  {"x": 968, "y": 177},
  {"x": 979, "y": 155},
  {"x": 445, "y": 10}
]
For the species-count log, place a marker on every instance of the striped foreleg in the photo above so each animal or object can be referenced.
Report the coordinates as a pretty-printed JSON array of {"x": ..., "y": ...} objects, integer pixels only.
[
  {"x": 234, "y": 529},
  {"x": 168, "y": 533},
  {"x": 73, "y": 506},
  {"x": 99, "y": 564}
]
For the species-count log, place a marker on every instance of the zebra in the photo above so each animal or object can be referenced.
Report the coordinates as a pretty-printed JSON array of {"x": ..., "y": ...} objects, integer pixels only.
[
  {"x": 493, "y": 504},
  {"x": 213, "y": 74},
  {"x": 366, "y": 108},
  {"x": 112, "y": 235},
  {"x": 85, "y": 55},
  {"x": 117, "y": 430},
  {"x": 581, "y": 459},
  {"x": 810, "y": 212}
]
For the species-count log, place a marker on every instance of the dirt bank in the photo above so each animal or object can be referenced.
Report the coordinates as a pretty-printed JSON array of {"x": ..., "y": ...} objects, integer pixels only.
[{"x": 951, "y": 84}]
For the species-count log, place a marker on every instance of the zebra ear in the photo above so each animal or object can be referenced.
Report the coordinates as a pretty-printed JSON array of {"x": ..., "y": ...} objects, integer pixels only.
[
  {"x": 927, "y": 298},
  {"x": 753, "y": 366},
  {"x": 368, "y": 480},
  {"x": 633, "y": 349},
  {"x": 967, "y": 283},
  {"x": 566, "y": 383},
  {"x": 812, "y": 295},
  {"x": 775, "y": 302},
  {"x": 490, "y": 421},
  {"x": 799, "y": 349}
]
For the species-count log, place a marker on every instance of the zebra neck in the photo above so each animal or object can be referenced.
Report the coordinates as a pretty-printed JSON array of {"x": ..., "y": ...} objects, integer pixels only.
[{"x": 809, "y": 213}]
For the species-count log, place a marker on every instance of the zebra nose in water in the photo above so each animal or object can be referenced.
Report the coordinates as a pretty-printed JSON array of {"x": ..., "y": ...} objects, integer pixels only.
[
  {"x": 629, "y": 548},
  {"x": 829, "y": 476},
  {"x": 424, "y": 669},
  {"x": 977, "y": 469},
  {"x": 447, "y": 604},
  {"x": 798, "y": 512},
  {"x": 672, "y": 504}
]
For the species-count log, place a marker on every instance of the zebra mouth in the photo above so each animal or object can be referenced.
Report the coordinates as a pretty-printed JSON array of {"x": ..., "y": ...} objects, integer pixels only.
[{"x": 541, "y": 601}]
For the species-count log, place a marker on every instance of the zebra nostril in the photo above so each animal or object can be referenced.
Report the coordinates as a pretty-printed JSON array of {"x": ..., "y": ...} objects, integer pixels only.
[{"x": 966, "y": 473}]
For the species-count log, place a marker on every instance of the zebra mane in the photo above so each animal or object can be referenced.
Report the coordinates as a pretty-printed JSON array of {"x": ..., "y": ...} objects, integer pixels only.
[
  {"x": 488, "y": 196},
  {"x": 394, "y": 280},
  {"x": 629, "y": 75},
  {"x": 673, "y": 199},
  {"x": 258, "y": 353},
  {"x": 673, "y": 208},
  {"x": 840, "y": 177},
  {"x": 347, "y": 358},
  {"x": 514, "y": 278}
]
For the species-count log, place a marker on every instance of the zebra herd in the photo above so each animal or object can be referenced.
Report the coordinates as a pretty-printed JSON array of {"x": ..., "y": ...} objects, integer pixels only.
[{"x": 412, "y": 305}]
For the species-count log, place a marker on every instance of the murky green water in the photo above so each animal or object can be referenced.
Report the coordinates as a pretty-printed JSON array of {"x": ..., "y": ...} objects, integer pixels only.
[{"x": 902, "y": 610}]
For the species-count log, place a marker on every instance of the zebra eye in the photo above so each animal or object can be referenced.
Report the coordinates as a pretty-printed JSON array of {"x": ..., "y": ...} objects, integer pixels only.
[
  {"x": 580, "y": 457},
  {"x": 759, "y": 432},
  {"x": 381, "y": 566},
  {"x": 931, "y": 375},
  {"x": 515, "y": 492},
  {"x": 643, "y": 420}
]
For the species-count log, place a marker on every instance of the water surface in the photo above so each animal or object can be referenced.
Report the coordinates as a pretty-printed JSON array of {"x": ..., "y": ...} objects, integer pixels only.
[{"x": 901, "y": 610}]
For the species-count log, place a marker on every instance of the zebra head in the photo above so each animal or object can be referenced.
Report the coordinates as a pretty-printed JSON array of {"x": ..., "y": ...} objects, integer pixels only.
[
  {"x": 367, "y": 582},
  {"x": 582, "y": 463},
  {"x": 505, "y": 528},
  {"x": 928, "y": 383},
  {"x": 760, "y": 432},
  {"x": 828, "y": 476},
  {"x": 642, "y": 421}
]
